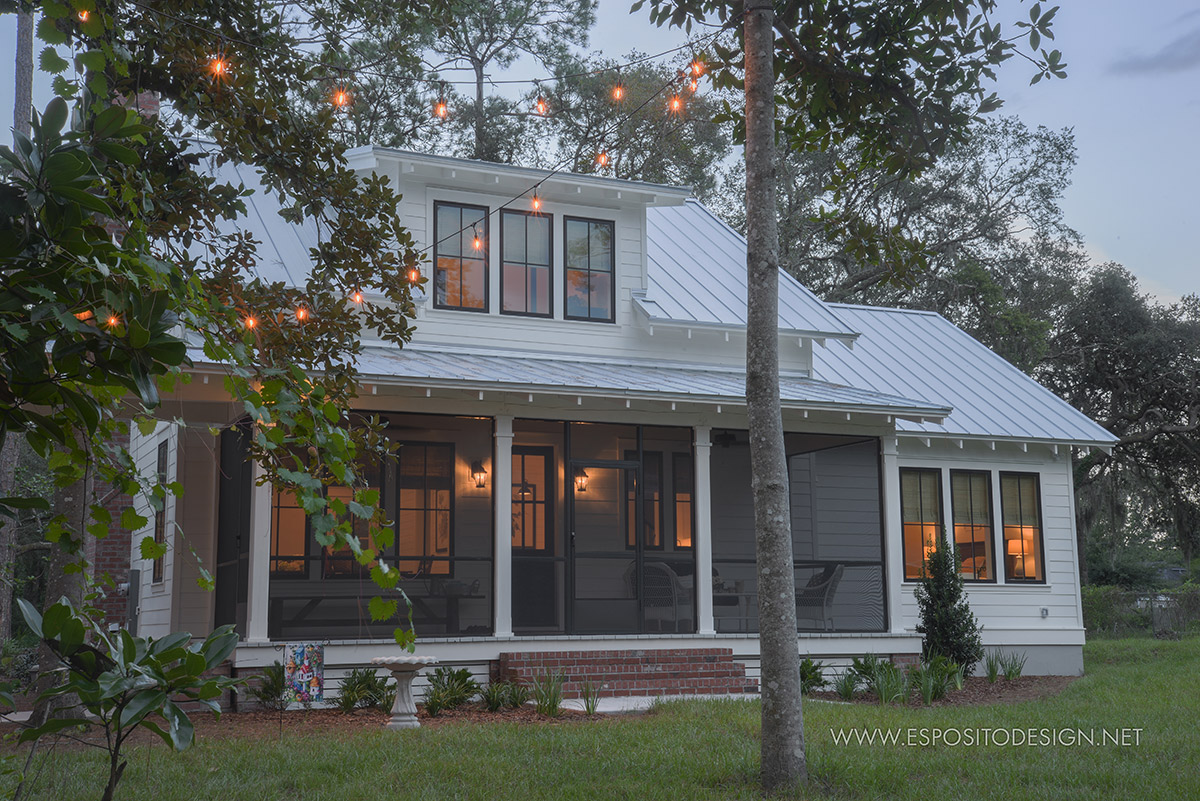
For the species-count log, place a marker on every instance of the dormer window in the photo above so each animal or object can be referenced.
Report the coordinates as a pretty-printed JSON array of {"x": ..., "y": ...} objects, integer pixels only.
[
  {"x": 526, "y": 275},
  {"x": 460, "y": 257},
  {"x": 588, "y": 260}
]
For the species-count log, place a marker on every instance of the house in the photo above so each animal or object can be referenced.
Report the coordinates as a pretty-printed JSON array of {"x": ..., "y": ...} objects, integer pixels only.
[{"x": 572, "y": 489}]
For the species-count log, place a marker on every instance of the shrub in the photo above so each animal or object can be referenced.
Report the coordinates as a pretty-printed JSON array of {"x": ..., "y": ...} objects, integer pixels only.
[
  {"x": 362, "y": 688},
  {"x": 846, "y": 685},
  {"x": 866, "y": 668},
  {"x": 890, "y": 684},
  {"x": 271, "y": 688},
  {"x": 947, "y": 622},
  {"x": 450, "y": 689},
  {"x": 518, "y": 695},
  {"x": 933, "y": 678},
  {"x": 811, "y": 675},
  {"x": 991, "y": 664},
  {"x": 591, "y": 697},
  {"x": 548, "y": 692},
  {"x": 495, "y": 695},
  {"x": 1012, "y": 665}
]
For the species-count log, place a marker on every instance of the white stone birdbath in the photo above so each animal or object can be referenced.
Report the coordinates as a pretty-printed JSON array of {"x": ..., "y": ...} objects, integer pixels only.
[{"x": 405, "y": 669}]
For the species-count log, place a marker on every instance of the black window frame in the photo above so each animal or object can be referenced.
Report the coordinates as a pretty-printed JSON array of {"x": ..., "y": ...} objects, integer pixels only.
[
  {"x": 676, "y": 458},
  {"x": 1037, "y": 487},
  {"x": 612, "y": 290},
  {"x": 941, "y": 521},
  {"x": 438, "y": 237},
  {"x": 526, "y": 264},
  {"x": 551, "y": 494},
  {"x": 991, "y": 517},
  {"x": 425, "y": 559}
]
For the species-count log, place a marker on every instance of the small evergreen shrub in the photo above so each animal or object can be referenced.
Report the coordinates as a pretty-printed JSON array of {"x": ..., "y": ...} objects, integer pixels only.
[
  {"x": 591, "y": 697},
  {"x": 495, "y": 695},
  {"x": 933, "y": 678},
  {"x": 811, "y": 675},
  {"x": 1012, "y": 665},
  {"x": 450, "y": 689},
  {"x": 866, "y": 668},
  {"x": 947, "y": 622},
  {"x": 270, "y": 688},
  {"x": 362, "y": 689},
  {"x": 890, "y": 684}
]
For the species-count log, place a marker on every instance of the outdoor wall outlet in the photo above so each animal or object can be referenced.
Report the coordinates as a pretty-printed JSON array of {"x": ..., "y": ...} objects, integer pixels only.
[{"x": 1045, "y": 612}]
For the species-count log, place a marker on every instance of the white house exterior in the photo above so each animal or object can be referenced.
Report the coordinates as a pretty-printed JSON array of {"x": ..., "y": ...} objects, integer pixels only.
[{"x": 588, "y": 359}]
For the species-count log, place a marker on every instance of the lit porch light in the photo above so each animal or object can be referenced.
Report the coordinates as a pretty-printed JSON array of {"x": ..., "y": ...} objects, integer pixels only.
[{"x": 479, "y": 474}]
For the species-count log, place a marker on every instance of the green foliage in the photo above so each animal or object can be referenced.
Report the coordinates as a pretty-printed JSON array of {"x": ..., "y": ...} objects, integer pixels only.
[
  {"x": 495, "y": 695},
  {"x": 946, "y": 620},
  {"x": 122, "y": 683},
  {"x": 590, "y": 692},
  {"x": 992, "y": 664},
  {"x": 890, "y": 684},
  {"x": 866, "y": 667},
  {"x": 548, "y": 693},
  {"x": 933, "y": 678},
  {"x": 270, "y": 691},
  {"x": 363, "y": 688},
  {"x": 846, "y": 685},
  {"x": 1012, "y": 665},
  {"x": 812, "y": 675},
  {"x": 449, "y": 689},
  {"x": 518, "y": 695}
]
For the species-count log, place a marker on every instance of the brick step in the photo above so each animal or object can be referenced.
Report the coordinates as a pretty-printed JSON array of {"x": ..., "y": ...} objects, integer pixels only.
[{"x": 672, "y": 671}]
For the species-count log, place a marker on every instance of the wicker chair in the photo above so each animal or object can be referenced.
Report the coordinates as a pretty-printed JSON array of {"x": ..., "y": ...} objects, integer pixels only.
[{"x": 815, "y": 600}]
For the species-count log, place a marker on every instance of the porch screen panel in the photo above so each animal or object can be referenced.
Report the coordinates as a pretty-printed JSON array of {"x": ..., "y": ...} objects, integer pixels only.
[
  {"x": 442, "y": 545},
  {"x": 590, "y": 262},
  {"x": 971, "y": 507},
  {"x": 525, "y": 263},
  {"x": 921, "y": 516},
  {"x": 1020, "y": 509},
  {"x": 837, "y": 533},
  {"x": 539, "y": 564},
  {"x": 460, "y": 258}
]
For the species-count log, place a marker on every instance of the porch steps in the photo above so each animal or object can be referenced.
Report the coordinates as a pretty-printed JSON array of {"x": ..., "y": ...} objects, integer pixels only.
[{"x": 668, "y": 671}]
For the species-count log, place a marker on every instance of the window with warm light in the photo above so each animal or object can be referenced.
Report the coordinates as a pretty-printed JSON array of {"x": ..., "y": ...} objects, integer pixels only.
[
  {"x": 971, "y": 510},
  {"x": 589, "y": 260},
  {"x": 460, "y": 257},
  {"x": 525, "y": 263},
  {"x": 289, "y": 536},
  {"x": 652, "y": 506},
  {"x": 1020, "y": 510},
  {"x": 341, "y": 562},
  {"x": 682, "y": 487},
  {"x": 532, "y": 500},
  {"x": 424, "y": 508},
  {"x": 921, "y": 515}
]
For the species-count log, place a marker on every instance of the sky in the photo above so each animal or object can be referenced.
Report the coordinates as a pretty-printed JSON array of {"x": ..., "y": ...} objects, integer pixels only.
[{"x": 1131, "y": 97}]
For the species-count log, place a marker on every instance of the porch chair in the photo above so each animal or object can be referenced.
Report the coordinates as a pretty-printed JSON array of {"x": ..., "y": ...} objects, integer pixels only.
[
  {"x": 661, "y": 592},
  {"x": 815, "y": 600}
]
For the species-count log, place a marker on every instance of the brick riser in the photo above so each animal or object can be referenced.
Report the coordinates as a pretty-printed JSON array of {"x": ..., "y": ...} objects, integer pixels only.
[{"x": 676, "y": 671}]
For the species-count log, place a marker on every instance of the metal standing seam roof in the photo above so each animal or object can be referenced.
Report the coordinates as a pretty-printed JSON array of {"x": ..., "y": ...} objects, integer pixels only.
[
  {"x": 420, "y": 367},
  {"x": 697, "y": 275},
  {"x": 921, "y": 354}
]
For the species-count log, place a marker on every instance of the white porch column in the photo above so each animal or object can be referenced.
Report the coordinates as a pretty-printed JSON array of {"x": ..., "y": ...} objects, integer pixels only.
[
  {"x": 258, "y": 598},
  {"x": 502, "y": 504},
  {"x": 703, "y": 537},
  {"x": 893, "y": 540}
]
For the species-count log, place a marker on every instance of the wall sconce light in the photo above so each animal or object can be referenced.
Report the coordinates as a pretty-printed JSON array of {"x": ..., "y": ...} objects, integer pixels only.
[
  {"x": 479, "y": 474},
  {"x": 581, "y": 479}
]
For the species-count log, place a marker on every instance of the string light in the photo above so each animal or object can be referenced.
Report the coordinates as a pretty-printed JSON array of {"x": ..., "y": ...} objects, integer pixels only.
[
  {"x": 693, "y": 84},
  {"x": 357, "y": 298},
  {"x": 113, "y": 321},
  {"x": 602, "y": 158},
  {"x": 675, "y": 104},
  {"x": 536, "y": 202},
  {"x": 440, "y": 110},
  {"x": 540, "y": 106},
  {"x": 414, "y": 275},
  {"x": 697, "y": 67},
  {"x": 618, "y": 92},
  {"x": 341, "y": 98},
  {"x": 219, "y": 67},
  {"x": 301, "y": 313},
  {"x": 250, "y": 322},
  {"x": 83, "y": 16},
  {"x": 477, "y": 242}
]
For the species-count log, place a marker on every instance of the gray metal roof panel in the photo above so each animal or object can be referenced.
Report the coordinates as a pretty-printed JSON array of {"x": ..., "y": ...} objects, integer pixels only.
[
  {"x": 696, "y": 274},
  {"x": 923, "y": 355}
]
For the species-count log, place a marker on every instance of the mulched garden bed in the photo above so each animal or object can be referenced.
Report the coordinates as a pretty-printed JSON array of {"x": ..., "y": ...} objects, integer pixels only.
[{"x": 977, "y": 690}]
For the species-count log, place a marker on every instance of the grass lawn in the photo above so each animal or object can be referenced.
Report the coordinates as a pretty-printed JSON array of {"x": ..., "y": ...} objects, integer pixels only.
[{"x": 709, "y": 750}]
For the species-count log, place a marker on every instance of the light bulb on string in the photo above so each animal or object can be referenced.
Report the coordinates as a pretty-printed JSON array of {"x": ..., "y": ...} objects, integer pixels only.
[
  {"x": 602, "y": 157},
  {"x": 113, "y": 321},
  {"x": 302, "y": 313},
  {"x": 440, "y": 109},
  {"x": 476, "y": 241},
  {"x": 356, "y": 298},
  {"x": 535, "y": 202},
  {"x": 618, "y": 92},
  {"x": 693, "y": 84},
  {"x": 675, "y": 104},
  {"x": 414, "y": 275},
  {"x": 341, "y": 98},
  {"x": 697, "y": 67},
  {"x": 218, "y": 67},
  {"x": 250, "y": 322},
  {"x": 540, "y": 106}
]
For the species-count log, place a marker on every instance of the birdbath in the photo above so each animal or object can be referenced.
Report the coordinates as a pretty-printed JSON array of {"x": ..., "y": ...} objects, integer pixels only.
[{"x": 405, "y": 669}]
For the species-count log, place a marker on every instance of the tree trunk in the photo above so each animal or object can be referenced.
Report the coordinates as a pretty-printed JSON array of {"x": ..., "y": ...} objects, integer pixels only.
[
  {"x": 479, "y": 154},
  {"x": 783, "y": 762},
  {"x": 10, "y": 453},
  {"x": 23, "y": 87}
]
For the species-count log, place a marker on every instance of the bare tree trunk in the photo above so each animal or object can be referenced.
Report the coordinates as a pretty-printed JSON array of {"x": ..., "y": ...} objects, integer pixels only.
[
  {"x": 23, "y": 88},
  {"x": 783, "y": 761},
  {"x": 478, "y": 111}
]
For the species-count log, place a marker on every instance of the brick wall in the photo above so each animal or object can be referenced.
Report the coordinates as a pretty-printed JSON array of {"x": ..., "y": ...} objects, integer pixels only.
[{"x": 673, "y": 671}]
